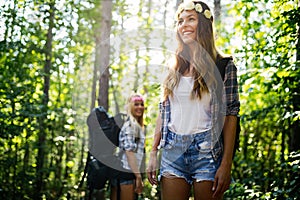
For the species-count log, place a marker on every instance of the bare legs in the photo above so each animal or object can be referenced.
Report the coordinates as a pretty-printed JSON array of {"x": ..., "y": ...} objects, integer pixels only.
[
  {"x": 179, "y": 189},
  {"x": 127, "y": 192},
  {"x": 172, "y": 189},
  {"x": 203, "y": 191},
  {"x": 175, "y": 189}
]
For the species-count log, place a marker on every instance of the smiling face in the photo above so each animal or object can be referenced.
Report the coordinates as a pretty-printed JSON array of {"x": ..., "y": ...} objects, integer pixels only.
[
  {"x": 187, "y": 26},
  {"x": 137, "y": 108}
]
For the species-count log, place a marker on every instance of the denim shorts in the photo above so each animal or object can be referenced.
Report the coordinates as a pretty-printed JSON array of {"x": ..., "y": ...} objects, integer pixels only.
[
  {"x": 190, "y": 157},
  {"x": 114, "y": 182}
]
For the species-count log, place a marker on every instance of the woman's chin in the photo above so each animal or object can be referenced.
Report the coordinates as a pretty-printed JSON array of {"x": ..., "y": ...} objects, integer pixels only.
[{"x": 188, "y": 41}]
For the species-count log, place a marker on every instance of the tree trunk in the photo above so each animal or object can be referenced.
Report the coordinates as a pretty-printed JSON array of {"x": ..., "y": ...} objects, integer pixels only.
[
  {"x": 95, "y": 71},
  {"x": 217, "y": 10},
  {"x": 295, "y": 127},
  {"x": 177, "y": 4},
  {"x": 43, "y": 129},
  {"x": 104, "y": 48},
  {"x": 147, "y": 37}
]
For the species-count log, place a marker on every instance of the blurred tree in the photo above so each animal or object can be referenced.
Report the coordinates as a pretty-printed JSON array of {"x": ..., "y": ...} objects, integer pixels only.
[
  {"x": 217, "y": 10},
  {"x": 41, "y": 155},
  {"x": 104, "y": 50}
]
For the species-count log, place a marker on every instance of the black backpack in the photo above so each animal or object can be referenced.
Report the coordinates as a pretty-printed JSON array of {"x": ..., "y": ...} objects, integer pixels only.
[
  {"x": 221, "y": 64},
  {"x": 102, "y": 165}
]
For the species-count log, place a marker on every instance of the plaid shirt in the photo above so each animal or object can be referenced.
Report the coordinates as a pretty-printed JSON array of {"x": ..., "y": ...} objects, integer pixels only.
[
  {"x": 131, "y": 138},
  {"x": 232, "y": 106}
]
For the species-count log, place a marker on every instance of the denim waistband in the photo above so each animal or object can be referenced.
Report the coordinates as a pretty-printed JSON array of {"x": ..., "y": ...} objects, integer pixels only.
[
  {"x": 206, "y": 135},
  {"x": 188, "y": 136}
]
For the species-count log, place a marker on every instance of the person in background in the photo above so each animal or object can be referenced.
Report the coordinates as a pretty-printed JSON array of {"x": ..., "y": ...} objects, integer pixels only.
[
  {"x": 132, "y": 149},
  {"x": 196, "y": 125}
]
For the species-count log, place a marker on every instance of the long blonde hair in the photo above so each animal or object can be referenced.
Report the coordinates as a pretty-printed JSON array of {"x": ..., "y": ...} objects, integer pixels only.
[{"x": 203, "y": 58}]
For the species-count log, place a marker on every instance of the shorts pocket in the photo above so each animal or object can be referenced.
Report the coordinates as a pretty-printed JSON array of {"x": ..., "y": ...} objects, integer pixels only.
[{"x": 203, "y": 146}]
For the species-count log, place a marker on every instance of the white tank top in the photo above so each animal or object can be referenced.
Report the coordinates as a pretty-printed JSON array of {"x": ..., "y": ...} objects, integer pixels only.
[{"x": 189, "y": 116}]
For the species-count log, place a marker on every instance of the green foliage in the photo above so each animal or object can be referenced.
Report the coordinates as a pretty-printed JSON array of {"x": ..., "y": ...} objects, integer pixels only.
[
  {"x": 27, "y": 124},
  {"x": 283, "y": 185},
  {"x": 268, "y": 77}
]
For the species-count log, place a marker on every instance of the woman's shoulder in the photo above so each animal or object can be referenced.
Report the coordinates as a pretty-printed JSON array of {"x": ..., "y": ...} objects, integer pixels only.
[
  {"x": 227, "y": 59},
  {"x": 130, "y": 123},
  {"x": 221, "y": 57},
  {"x": 127, "y": 123}
]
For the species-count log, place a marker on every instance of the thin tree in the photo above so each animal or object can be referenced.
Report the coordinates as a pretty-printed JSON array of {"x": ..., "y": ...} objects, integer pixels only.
[
  {"x": 42, "y": 132},
  {"x": 104, "y": 48},
  {"x": 295, "y": 128},
  {"x": 217, "y": 10},
  {"x": 97, "y": 62}
]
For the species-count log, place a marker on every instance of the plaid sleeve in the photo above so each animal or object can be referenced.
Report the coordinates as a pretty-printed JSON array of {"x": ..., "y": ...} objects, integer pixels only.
[
  {"x": 231, "y": 89},
  {"x": 127, "y": 138},
  {"x": 160, "y": 107},
  {"x": 164, "y": 108}
]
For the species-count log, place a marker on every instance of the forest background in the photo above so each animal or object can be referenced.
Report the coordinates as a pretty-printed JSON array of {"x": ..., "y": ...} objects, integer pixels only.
[{"x": 54, "y": 51}]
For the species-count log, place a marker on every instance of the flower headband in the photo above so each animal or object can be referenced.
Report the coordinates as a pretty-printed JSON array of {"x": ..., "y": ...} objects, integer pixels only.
[
  {"x": 190, "y": 5},
  {"x": 136, "y": 98}
]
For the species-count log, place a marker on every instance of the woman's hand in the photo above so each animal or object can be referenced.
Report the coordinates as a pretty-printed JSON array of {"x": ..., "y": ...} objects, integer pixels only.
[
  {"x": 222, "y": 177},
  {"x": 151, "y": 170},
  {"x": 222, "y": 180},
  {"x": 139, "y": 185},
  {"x": 152, "y": 166}
]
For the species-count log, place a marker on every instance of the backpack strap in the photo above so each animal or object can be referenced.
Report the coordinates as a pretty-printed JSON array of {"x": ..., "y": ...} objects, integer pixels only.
[
  {"x": 221, "y": 64},
  {"x": 85, "y": 170},
  {"x": 101, "y": 114},
  {"x": 84, "y": 175}
]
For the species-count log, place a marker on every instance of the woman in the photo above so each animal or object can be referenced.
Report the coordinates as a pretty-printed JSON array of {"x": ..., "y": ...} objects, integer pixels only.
[
  {"x": 131, "y": 143},
  {"x": 191, "y": 119}
]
